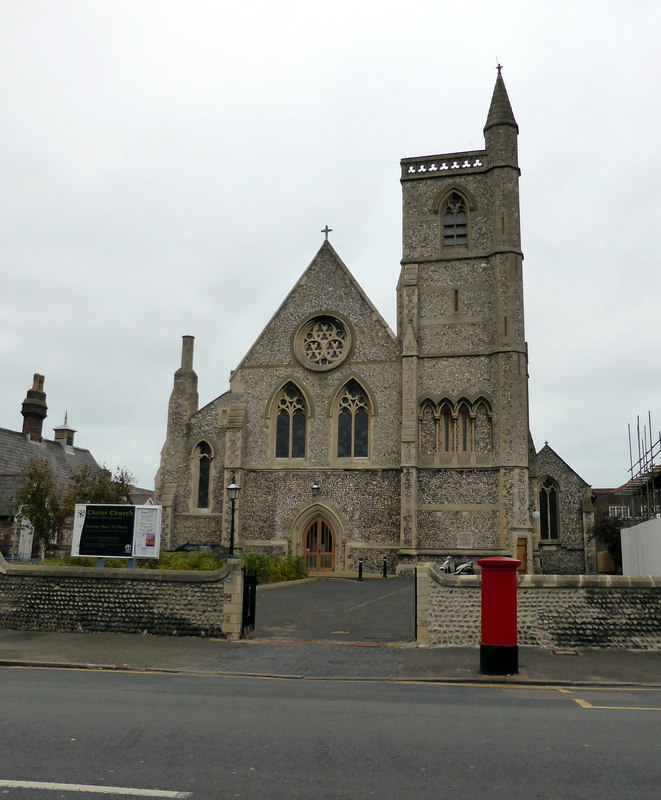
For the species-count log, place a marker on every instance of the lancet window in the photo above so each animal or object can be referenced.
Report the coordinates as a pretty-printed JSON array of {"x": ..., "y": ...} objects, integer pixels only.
[
  {"x": 353, "y": 422},
  {"x": 203, "y": 456},
  {"x": 290, "y": 423},
  {"x": 448, "y": 428},
  {"x": 548, "y": 510}
]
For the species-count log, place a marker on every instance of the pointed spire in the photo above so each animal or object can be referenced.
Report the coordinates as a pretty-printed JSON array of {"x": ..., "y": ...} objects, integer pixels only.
[{"x": 500, "y": 111}]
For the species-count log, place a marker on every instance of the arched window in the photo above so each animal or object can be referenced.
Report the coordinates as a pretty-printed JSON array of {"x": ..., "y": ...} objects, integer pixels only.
[
  {"x": 353, "y": 422},
  {"x": 548, "y": 509},
  {"x": 482, "y": 432},
  {"x": 428, "y": 425},
  {"x": 465, "y": 432},
  {"x": 447, "y": 428},
  {"x": 460, "y": 428},
  {"x": 290, "y": 424},
  {"x": 455, "y": 221},
  {"x": 203, "y": 453}
]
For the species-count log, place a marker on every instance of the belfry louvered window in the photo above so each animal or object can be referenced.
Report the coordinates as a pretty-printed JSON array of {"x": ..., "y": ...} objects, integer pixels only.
[{"x": 455, "y": 221}]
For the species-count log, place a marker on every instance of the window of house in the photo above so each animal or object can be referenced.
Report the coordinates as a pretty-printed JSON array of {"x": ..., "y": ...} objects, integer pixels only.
[
  {"x": 353, "y": 422},
  {"x": 290, "y": 424},
  {"x": 548, "y": 510},
  {"x": 621, "y": 512},
  {"x": 455, "y": 221},
  {"x": 203, "y": 474}
]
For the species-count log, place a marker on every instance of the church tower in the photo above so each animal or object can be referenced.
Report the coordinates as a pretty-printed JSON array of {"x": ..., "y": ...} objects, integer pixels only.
[{"x": 464, "y": 441}]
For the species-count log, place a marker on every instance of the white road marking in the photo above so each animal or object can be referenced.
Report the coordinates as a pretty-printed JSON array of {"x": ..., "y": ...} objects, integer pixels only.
[{"x": 79, "y": 787}]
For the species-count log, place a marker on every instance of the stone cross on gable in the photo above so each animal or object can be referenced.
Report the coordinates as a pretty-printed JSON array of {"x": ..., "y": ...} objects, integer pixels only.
[{"x": 326, "y": 230}]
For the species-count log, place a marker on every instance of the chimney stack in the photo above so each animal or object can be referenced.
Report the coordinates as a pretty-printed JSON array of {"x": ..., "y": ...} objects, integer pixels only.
[{"x": 34, "y": 409}]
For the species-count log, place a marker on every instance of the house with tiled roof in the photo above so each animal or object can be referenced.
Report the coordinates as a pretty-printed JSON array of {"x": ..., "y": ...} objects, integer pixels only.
[{"x": 18, "y": 448}]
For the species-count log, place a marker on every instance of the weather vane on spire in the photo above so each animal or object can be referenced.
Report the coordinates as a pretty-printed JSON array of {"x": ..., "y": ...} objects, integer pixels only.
[
  {"x": 326, "y": 231},
  {"x": 499, "y": 66}
]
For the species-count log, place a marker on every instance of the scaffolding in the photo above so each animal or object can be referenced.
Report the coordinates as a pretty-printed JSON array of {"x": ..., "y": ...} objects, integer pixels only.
[{"x": 644, "y": 484}]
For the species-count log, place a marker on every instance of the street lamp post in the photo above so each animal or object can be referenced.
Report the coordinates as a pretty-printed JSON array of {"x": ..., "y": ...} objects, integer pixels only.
[{"x": 232, "y": 492}]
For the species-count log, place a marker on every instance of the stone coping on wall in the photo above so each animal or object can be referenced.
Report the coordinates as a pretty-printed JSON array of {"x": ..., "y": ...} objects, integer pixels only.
[
  {"x": 553, "y": 611},
  {"x": 526, "y": 581},
  {"x": 93, "y": 599},
  {"x": 122, "y": 574}
]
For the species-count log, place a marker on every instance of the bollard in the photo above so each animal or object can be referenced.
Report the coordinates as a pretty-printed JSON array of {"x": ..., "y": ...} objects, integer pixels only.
[
  {"x": 499, "y": 653},
  {"x": 360, "y": 569},
  {"x": 385, "y": 567}
]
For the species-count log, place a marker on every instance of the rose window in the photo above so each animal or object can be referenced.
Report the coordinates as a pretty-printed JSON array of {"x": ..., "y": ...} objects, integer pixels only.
[{"x": 322, "y": 343}]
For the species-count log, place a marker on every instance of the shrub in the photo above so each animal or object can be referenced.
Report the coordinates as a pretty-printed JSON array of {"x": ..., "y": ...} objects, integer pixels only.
[
  {"x": 259, "y": 564},
  {"x": 169, "y": 561},
  {"x": 183, "y": 560},
  {"x": 274, "y": 570},
  {"x": 268, "y": 569}
]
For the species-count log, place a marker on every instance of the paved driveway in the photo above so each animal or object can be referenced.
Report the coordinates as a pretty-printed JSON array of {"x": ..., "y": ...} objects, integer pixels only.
[{"x": 337, "y": 610}]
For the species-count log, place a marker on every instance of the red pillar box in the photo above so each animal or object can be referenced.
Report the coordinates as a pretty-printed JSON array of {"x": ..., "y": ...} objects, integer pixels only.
[{"x": 499, "y": 653}]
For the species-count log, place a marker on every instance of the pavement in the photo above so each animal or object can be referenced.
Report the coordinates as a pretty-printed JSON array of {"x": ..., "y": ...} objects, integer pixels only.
[
  {"x": 335, "y": 639},
  {"x": 321, "y": 660}
]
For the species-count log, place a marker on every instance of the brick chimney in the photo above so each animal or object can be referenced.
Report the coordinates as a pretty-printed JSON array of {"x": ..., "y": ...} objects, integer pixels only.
[{"x": 34, "y": 409}]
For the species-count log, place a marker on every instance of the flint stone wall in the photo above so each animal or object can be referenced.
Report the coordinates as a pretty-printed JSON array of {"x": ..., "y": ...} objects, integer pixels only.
[
  {"x": 182, "y": 603},
  {"x": 563, "y": 611}
]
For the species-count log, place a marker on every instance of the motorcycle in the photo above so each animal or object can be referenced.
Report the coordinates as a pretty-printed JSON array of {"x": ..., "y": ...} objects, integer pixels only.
[
  {"x": 468, "y": 568},
  {"x": 448, "y": 566}
]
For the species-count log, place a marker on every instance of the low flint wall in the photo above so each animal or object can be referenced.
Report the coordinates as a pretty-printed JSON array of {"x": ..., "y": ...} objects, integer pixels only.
[
  {"x": 554, "y": 611},
  {"x": 183, "y": 603}
]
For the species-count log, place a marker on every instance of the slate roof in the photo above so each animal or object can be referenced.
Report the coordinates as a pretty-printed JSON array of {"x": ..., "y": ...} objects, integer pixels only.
[{"x": 16, "y": 449}]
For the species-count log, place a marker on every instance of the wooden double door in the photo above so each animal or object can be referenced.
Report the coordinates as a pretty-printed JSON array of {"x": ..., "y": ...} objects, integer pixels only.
[{"x": 319, "y": 545}]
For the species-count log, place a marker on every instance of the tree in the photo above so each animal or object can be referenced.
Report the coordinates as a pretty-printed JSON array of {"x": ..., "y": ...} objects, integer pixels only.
[
  {"x": 98, "y": 486},
  {"x": 41, "y": 500},
  {"x": 606, "y": 531},
  {"x": 47, "y": 504}
]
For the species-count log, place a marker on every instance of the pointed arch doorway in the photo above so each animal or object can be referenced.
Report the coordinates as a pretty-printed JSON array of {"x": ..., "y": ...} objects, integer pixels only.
[{"x": 319, "y": 545}]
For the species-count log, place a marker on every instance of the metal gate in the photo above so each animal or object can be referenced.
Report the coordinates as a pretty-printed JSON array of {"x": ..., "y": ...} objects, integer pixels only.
[{"x": 249, "y": 601}]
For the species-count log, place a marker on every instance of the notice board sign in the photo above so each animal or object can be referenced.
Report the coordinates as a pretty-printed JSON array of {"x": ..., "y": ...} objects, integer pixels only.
[{"x": 106, "y": 531}]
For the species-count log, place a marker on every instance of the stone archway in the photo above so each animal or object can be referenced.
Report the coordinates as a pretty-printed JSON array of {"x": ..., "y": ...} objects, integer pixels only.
[
  {"x": 338, "y": 527},
  {"x": 319, "y": 544}
]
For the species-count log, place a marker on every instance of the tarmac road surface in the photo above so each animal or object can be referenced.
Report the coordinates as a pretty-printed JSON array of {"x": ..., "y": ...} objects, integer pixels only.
[
  {"x": 222, "y": 738},
  {"x": 337, "y": 610}
]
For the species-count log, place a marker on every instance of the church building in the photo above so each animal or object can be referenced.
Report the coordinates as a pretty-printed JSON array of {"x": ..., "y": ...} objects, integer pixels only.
[{"x": 350, "y": 441}]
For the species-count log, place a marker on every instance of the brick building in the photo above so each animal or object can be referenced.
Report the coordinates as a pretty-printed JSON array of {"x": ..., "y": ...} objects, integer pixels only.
[{"x": 17, "y": 448}]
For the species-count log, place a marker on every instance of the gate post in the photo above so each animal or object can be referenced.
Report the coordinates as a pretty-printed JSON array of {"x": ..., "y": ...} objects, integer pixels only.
[
  {"x": 233, "y": 610},
  {"x": 499, "y": 652}
]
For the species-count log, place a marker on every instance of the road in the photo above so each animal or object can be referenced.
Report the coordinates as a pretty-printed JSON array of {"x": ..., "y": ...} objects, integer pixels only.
[{"x": 219, "y": 738}]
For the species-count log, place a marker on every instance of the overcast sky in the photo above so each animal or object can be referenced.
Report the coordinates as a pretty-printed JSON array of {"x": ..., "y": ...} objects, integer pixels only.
[{"x": 166, "y": 169}]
